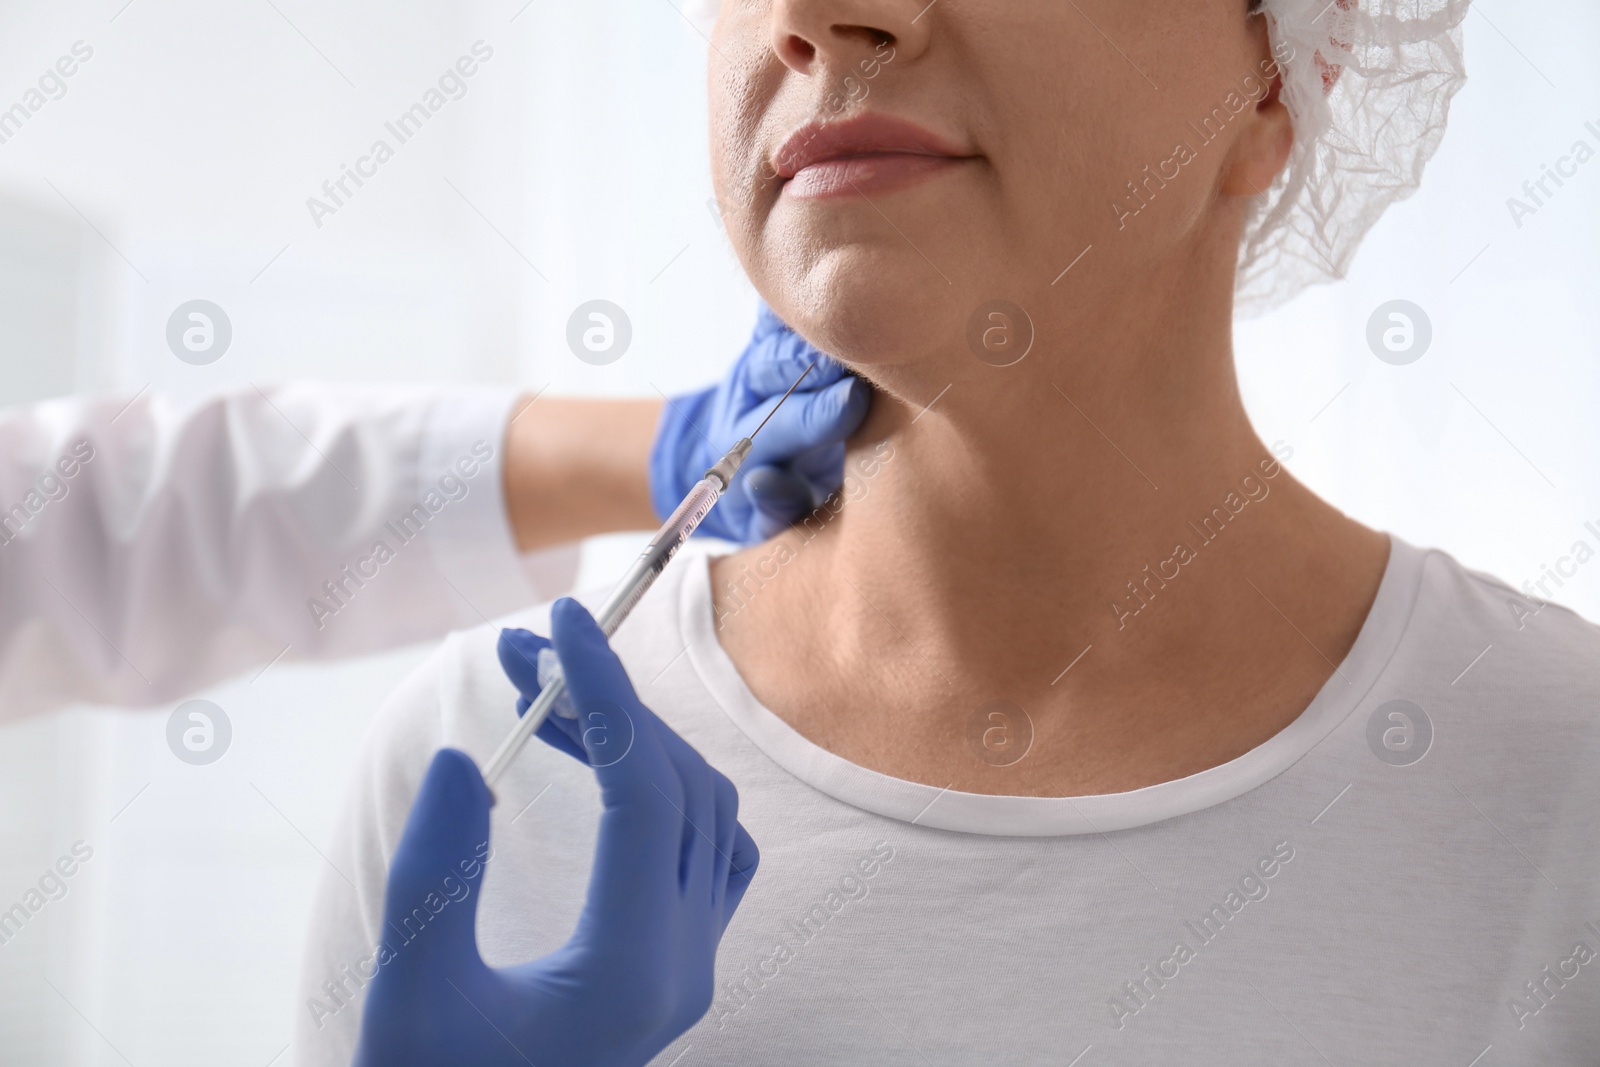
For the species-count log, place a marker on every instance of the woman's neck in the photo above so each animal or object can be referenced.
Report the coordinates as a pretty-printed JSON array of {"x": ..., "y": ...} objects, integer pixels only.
[{"x": 1094, "y": 535}]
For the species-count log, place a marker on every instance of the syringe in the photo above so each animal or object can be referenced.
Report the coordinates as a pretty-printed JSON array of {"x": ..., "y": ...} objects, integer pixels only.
[{"x": 637, "y": 581}]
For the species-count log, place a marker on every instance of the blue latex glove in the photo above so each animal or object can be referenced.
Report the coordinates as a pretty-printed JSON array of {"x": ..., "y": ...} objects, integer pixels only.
[
  {"x": 798, "y": 458},
  {"x": 671, "y": 865}
]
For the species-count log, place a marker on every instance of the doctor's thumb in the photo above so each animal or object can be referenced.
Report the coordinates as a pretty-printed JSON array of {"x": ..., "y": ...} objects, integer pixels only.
[{"x": 431, "y": 902}]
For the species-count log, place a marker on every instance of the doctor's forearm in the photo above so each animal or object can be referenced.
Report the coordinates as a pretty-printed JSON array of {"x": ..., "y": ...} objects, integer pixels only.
[
  {"x": 149, "y": 548},
  {"x": 576, "y": 468}
]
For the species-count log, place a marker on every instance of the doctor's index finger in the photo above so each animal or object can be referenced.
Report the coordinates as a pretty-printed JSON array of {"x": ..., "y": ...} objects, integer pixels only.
[
  {"x": 810, "y": 420},
  {"x": 775, "y": 362},
  {"x": 518, "y": 652},
  {"x": 593, "y": 673},
  {"x": 619, "y": 734}
]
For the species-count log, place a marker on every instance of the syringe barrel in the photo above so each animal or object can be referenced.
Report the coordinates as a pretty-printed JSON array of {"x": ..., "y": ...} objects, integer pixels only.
[
  {"x": 690, "y": 513},
  {"x": 525, "y": 728},
  {"x": 634, "y": 584}
]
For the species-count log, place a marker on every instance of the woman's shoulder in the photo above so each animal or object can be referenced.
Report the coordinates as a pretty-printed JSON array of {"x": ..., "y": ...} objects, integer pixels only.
[{"x": 1508, "y": 639}]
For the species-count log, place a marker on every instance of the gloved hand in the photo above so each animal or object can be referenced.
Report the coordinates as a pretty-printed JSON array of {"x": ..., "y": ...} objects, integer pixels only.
[
  {"x": 670, "y": 868},
  {"x": 798, "y": 458}
]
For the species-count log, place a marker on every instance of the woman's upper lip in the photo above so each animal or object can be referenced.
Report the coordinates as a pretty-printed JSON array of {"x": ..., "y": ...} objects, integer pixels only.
[{"x": 866, "y": 134}]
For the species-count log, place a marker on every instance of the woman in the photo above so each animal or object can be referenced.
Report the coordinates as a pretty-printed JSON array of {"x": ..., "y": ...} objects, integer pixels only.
[{"x": 1081, "y": 729}]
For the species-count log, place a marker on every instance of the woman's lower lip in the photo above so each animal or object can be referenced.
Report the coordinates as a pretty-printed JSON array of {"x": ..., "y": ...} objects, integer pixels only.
[{"x": 866, "y": 174}]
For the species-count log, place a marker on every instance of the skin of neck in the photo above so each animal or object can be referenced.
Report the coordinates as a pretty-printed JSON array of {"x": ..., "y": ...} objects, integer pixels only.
[{"x": 1017, "y": 539}]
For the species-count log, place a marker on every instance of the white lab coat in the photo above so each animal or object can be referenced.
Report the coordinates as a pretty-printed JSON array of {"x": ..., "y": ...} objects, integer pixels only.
[{"x": 149, "y": 549}]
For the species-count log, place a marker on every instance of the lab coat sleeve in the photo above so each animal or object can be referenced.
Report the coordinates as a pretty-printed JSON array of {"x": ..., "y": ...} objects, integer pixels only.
[{"x": 149, "y": 549}]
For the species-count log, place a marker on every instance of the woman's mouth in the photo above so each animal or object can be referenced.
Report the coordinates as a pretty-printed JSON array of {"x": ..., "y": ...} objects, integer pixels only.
[{"x": 864, "y": 154}]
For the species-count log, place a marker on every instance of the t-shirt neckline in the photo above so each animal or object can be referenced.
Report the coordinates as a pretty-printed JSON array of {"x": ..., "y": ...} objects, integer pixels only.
[{"x": 1025, "y": 816}]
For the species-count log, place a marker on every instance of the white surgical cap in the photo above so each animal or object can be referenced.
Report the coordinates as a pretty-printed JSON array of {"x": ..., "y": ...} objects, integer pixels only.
[{"x": 1368, "y": 86}]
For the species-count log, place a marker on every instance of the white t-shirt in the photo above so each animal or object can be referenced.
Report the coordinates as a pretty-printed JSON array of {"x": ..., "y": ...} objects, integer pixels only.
[{"x": 1381, "y": 882}]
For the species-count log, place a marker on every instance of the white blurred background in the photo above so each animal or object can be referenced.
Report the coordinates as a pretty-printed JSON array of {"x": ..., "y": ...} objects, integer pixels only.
[{"x": 177, "y": 165}]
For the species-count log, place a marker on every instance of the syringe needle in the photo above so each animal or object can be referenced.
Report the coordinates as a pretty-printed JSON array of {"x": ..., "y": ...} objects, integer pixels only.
[
  {"x": 782, "y": 398},
  {"x": 657, "y": 554}
]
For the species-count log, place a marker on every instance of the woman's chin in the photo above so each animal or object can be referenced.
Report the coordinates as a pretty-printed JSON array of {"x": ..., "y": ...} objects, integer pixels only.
[
  {"x": 864, "y": 333},
  {"x": 860, "y": 312}
]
